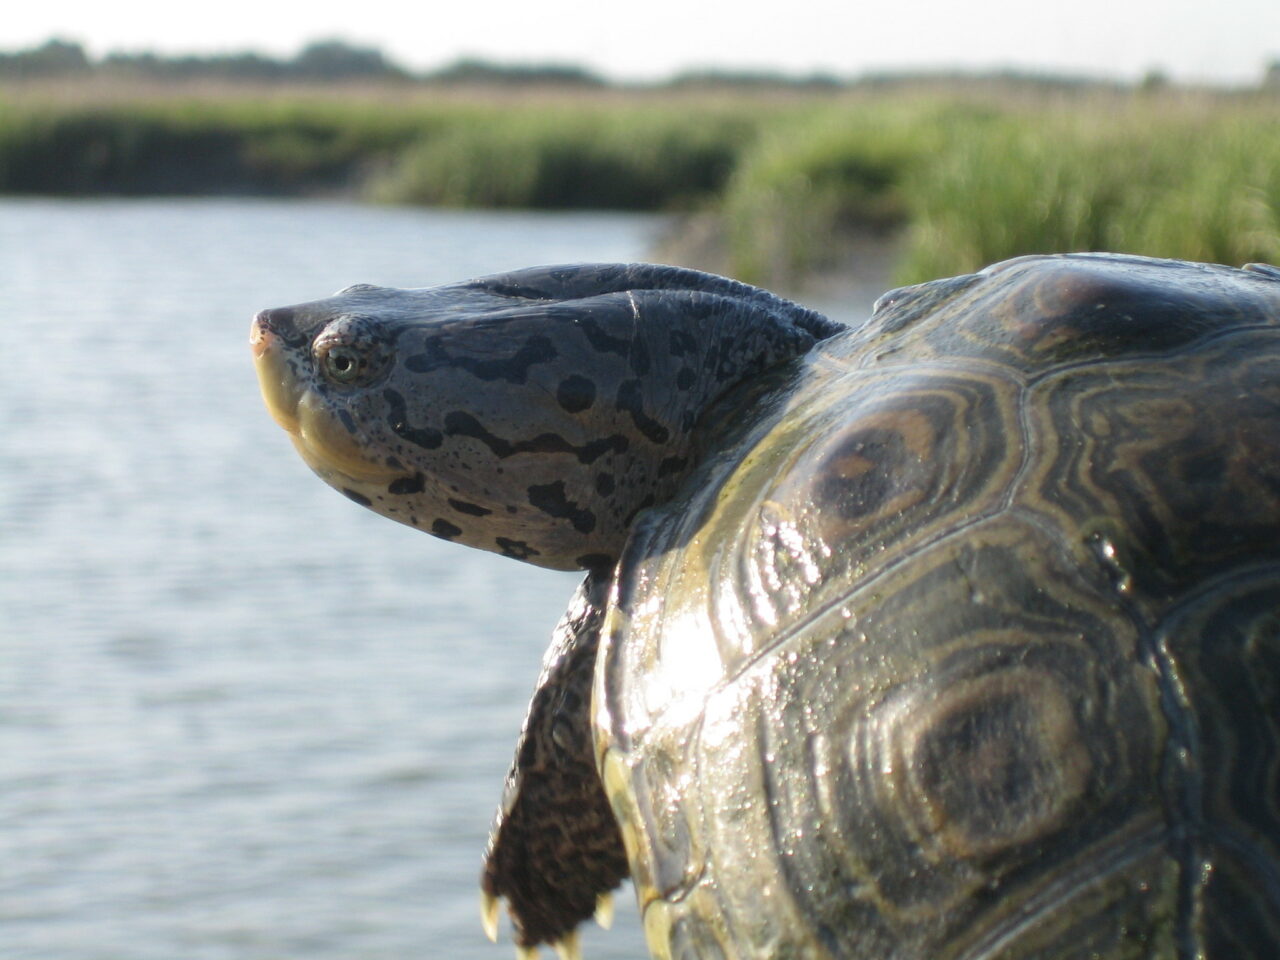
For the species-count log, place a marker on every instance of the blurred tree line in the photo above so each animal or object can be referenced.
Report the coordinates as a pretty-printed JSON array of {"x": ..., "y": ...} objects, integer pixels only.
[
  {"x": 323, "y": 61},
  {"x": 336, "y": 61}
]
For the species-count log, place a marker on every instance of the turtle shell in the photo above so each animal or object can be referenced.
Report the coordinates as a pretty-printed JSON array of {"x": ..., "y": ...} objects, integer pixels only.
[{"x": 964, "y": 642}]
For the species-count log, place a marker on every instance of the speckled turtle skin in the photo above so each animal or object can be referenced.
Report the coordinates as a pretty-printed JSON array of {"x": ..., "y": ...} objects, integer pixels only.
[
  {"x": 532, "y": 414},
  {"x": 958, "y": 635}
]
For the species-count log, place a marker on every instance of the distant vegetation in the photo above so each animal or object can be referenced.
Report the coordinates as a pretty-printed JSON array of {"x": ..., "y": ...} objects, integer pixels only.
[
  {"x": 971, "y": 169},
  {"x": 324, "y": 61}
]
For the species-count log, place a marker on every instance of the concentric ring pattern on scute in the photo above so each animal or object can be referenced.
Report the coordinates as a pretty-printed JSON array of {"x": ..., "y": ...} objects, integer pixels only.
[{"x": 985, "y": 605}]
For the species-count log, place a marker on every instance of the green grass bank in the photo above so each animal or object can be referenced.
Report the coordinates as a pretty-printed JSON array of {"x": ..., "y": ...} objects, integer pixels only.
[{"x": 962, "y": 178}]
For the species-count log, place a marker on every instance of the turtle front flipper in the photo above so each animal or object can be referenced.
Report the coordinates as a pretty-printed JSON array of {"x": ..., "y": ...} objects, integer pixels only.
[{"x": 555, "y": 848}]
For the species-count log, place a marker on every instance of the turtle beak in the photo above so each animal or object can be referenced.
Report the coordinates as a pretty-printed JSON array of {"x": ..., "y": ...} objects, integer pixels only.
[
  {"x": 280, "y": 388},
  {"x": 282, "y": 357},
  {"x": 260, "y": 335}
]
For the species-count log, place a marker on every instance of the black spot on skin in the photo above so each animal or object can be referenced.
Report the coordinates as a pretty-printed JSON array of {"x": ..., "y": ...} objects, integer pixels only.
[
  {"x": 515, "y": 549},
  {"x": 683, "y": 343},
  {"x": 394, "y": 464},
  {"x": 403, "y": 485},
  {"x": 398, "y": 419},
  {"x": 576, "y": 393},
  {"x": 672, "y": 465},
  {"x": 470, "y": 509},
  {"x": 433, "y": 357},
  {"x": 359, "y": 498},
  {"x": 629, "y": 401},
  {"x": 513, "y": 369},
  {"x": 550, "y": 499},
  {"x": 602, "y": 342},
  {"x": 604, "y": 484},
  {"x": 685, "y": 378},
  {"x": 445, "y": 529},
  {"x": 594, "y": 561},
  {"x": 633, "y": 351},
  {"x": 461, "y": 424}
]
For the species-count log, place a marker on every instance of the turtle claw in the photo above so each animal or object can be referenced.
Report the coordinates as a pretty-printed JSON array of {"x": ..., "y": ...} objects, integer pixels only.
[
  {"x": 568, "y": 947},
  {"x": 526, "y": 953},
  {"x": 489, "y": 915},
  {"x": 604, "y": 910}
]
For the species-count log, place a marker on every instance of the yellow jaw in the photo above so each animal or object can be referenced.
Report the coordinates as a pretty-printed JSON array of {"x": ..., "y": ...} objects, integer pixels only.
[
  {"x": 319, "y": 436},
  {"x": 279, "y": 388}
]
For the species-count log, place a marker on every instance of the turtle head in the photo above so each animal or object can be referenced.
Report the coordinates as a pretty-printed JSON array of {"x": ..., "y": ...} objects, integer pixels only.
[{"x": 533, "y": 413}]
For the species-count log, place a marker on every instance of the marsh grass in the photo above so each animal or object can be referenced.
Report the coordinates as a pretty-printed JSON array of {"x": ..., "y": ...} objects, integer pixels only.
[
  {"x": 180, "y": 146},
  {"x": 639, "y": 159},
  {"x": 969, "y": 178},
  {"x": 972, "y": 182},
  {"x": 1169, "y": 180},
  {"x": 815, "y": 177}
]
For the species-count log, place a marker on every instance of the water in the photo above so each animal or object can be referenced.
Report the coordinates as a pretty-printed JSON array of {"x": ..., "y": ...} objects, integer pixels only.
[{"x": 240, "y": 717}]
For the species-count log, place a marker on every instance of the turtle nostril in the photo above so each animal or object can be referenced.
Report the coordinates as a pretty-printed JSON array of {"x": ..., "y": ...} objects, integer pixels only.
[
  {"x": 261, "y": 335},
  {"x": 282, "y": 321}
]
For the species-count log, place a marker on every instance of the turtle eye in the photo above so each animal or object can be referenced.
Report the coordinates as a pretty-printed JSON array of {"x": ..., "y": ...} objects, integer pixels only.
[
  {"x": 342, "y": 364},
  {"x": 351, "y": 352}
]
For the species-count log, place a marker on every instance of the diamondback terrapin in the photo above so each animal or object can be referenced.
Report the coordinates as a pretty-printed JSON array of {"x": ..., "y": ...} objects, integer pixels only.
[{"x": 952, "y": 635}]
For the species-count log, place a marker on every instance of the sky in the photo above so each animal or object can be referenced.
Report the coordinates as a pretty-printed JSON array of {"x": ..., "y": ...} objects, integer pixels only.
[{"x": 1227, "y": 42}]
